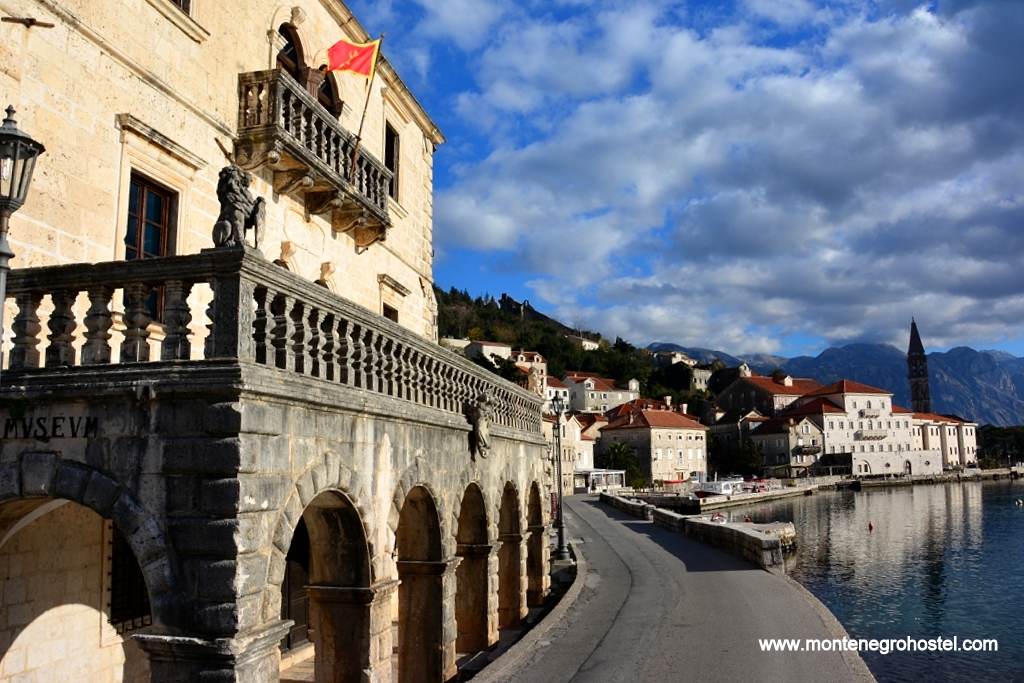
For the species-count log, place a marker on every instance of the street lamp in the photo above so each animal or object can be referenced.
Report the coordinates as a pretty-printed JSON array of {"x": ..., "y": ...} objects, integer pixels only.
[
  {"x": 17, "y": 160},
  {"x": 561, "y": 552},
  {"x": 18, "y": 153}
]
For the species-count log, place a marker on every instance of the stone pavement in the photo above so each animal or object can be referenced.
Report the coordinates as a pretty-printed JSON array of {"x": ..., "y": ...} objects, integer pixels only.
[{"x": 656, "y": 606}]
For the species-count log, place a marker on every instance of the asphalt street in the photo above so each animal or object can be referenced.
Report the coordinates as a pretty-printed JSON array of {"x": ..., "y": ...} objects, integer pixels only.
[{"x": 656, "y": 606}]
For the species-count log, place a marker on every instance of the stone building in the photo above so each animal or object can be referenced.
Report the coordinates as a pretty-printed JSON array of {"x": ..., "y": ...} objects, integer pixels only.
[
  {"x": 953, "y": 440},
  {"x": 669, "y": 445},
  {"x": 590, "y": 393},
  {"x": 237, "y": 451},
  {"x": 767, "y": 395},
  {"x": 790, "y": 446},
  {"x": 917, "y": 372}
]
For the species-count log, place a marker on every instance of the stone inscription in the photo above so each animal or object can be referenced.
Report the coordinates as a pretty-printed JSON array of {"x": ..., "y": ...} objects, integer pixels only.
[{"x": 51, "y": 427}]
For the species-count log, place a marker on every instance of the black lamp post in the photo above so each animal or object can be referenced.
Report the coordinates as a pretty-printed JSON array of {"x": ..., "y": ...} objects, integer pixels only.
[
  {"x": 18, "y": 153},
  {"x": 561, "y": 552}
]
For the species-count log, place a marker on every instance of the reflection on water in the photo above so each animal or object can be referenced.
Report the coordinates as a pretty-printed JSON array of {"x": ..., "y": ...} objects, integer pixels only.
[{"x": 944, "y": 560}]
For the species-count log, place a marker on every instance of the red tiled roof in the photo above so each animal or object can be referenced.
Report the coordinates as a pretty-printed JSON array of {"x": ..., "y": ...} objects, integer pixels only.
[
  {"x": 935, "y": 417},
  {"x": 818, "y": 406},
  {"x": 554, "y": 382},
  {"x": 900, "y": 409},
  {"x": 845, "y": 386},
  {"x": 490, "y": 343},
  {"x": 778, "y": 425},
  {"x": 800, "y": 386},
  {"x": 660, "y": 419}
]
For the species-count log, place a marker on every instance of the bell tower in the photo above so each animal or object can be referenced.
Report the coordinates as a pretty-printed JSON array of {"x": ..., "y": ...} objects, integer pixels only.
[{"x": 917, "y": 373}]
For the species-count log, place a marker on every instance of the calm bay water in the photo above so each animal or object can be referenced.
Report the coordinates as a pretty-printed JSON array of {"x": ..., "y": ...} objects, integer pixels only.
[{"x": 943, "y": 560}]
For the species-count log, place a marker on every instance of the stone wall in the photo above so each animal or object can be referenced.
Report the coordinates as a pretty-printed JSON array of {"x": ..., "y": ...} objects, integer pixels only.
[
  {"x": 53, "y": 622},
  {"x": 762, "y": 549}
]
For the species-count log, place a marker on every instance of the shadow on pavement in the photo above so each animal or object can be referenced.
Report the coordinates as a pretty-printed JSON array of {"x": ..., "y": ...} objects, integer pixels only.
[{"x": 695, "y": 556}]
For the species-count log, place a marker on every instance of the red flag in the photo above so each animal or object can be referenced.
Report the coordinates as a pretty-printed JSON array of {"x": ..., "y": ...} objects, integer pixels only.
[{"x": 360, "y": 58}]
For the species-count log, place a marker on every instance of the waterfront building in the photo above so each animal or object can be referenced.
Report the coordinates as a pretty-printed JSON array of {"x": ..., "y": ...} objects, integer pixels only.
[
  {"x": 917, "y": 373},
  {"x": 670, "y": 446},
  {"x": 767, "y": 395},
  {"x": 734, "y": 428},
  {"x": 591, "y": 393},
  {"x": 212, "y": 452},
  {"x": 953, "y": 440},
  {"x": 790, "y": 446}
]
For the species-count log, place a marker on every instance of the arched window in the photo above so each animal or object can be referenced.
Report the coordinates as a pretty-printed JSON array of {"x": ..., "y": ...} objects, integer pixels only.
[{"x": 291, "y": 57}]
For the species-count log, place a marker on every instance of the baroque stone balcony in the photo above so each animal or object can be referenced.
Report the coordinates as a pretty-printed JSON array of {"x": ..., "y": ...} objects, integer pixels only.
[
  {"x": 282, "y": 127},
  {"x": 870, "y": 412},
  {"x": 870, "y": 434},
  {"x": 807, "y": 450},
  {"x": 259, "y": 315}
]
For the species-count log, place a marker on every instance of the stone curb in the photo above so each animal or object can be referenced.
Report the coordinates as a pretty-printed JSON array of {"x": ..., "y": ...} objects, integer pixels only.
[{"x": 502, "y": 667}]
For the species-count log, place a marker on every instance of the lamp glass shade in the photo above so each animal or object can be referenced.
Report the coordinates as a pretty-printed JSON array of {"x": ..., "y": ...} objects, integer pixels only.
[{"x": 18, "y": 154}]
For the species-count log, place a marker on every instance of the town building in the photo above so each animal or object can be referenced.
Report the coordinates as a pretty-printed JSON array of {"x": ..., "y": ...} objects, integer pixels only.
[
  {"x": 767, "y": 395},
  {"x": 574, "y": 449},
  {"x": 790, "y": 446},
  {"x": 215, "y": 450},
  {"x": 554, "y": 388},
  {"x": 953, "y": 440},
  {"x": 732, "y": 429},
  {"x": 530, "y": 361},
  {"x": 672, "y": 358},
  {"x": 488, "y": 350},
  {"x": 583, "y": 343},
  {"x": 590, "y": 393},
  {"x": 670, "y": 446}
]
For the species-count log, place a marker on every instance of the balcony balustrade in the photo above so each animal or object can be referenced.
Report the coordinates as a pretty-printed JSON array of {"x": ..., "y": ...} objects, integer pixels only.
[
  {"x": 870, "y": 434},
  {"x": 283, "y": 127},
  {"x": 259, "y": 314},
  {"x": 807, "y": 450},
  {"x": 870, "y": 412}
]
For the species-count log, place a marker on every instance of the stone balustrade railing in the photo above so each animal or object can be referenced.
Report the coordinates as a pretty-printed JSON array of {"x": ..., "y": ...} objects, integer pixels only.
[
  {"x": 260, "y": 313},
  {"x": 277, "y": 116}
]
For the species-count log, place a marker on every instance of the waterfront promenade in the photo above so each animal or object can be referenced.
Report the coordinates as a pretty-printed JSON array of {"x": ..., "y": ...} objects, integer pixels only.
[{"x": 656, "y": 606}]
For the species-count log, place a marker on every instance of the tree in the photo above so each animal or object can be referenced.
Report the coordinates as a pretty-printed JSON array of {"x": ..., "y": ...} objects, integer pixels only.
[{"x": 622, "y": 456}]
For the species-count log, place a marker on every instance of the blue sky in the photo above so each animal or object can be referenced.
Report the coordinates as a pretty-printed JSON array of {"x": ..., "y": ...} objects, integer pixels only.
[{"x": 756, "y": 176}]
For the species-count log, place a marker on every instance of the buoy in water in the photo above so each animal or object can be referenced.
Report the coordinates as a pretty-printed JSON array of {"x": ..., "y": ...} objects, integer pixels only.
[
  {"x": 1019, "y": 502},
  {"x": 871, "y": 527}
]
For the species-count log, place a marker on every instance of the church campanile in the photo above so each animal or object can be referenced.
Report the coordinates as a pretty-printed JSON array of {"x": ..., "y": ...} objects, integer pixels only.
[{"x": 917, "y": 367}]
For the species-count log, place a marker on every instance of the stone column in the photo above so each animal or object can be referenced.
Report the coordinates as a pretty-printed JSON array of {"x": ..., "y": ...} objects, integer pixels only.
[
  {"x": 176, "y": 657},
  {"x": 511, "y": 589},
  {"x": 426, "y": 615},
  {"x": 345, "y": 632},
  {"x": 538, "y": 577},
  {"x": 472, "y": 613}
]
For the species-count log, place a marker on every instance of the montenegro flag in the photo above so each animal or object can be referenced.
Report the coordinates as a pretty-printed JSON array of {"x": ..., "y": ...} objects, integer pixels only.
[{"x": 360, "y": 58}]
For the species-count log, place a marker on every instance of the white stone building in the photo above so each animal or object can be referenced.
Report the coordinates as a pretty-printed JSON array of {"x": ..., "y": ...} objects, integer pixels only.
[
  {"x": 591, "y": 393},
  {"x": 487, "y": 349},
  {"x": 953, "y": 439}
]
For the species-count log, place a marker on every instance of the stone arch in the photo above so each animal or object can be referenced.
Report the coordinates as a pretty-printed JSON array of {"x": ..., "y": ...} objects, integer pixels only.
[
  {"x": 421, "y": 594},
  {"x": 472, "y": 591},
  {"x": 511, "y": 605},
  {"x": 44, "y": 475},
  {"x": 328, "y": 474},
  {"x": 421, "y": 474},
  {"x": 536, "y": 550}
]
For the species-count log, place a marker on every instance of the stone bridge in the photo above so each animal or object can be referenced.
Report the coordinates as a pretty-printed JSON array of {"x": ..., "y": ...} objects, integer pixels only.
[{"x": 268, "y": 438}]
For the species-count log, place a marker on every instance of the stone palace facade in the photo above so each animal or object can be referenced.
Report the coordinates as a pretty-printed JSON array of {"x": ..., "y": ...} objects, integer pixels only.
[{"x": 214, "y": 454}]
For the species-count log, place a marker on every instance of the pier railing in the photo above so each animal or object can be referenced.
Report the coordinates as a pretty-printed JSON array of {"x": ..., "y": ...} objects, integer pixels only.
[{"x": 258, "y": 313}]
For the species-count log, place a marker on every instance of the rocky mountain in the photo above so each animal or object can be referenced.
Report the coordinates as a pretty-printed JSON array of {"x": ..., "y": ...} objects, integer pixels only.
[{"x": 986, "y": 386}]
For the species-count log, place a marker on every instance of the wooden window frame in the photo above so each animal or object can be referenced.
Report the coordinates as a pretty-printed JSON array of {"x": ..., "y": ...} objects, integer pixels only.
[{"x": 137, "y": 224}]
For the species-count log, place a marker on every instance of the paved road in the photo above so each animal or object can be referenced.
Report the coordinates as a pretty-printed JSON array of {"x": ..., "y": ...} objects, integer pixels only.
[{"x": 656, "y": 606}]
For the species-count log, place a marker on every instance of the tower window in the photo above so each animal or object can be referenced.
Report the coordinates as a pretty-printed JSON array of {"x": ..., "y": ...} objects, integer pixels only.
[{"x": 390, "y": 313}]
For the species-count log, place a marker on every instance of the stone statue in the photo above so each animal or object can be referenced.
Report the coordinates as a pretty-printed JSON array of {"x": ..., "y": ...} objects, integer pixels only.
[
  {"x": 481, "y": 414},
  {"x": 239, "y": 211}
]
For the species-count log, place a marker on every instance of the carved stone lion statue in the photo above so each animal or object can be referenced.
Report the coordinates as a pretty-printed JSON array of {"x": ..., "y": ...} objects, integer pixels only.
[{"x": 239, "y": 210}]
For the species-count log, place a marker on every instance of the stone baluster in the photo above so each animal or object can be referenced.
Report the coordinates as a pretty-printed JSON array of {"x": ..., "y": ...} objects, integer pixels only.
[
  {"x": 177, "y": 317},
  {"x": 358, "y": 356},
  {"x": 328, "y": 352},
  {"x": 371, "y": 359},
  {"x": 62, "y": 326},
  {"x": 413, "y": 377},
  {"x": 284, "y": 330},
  {"x": 387, "y": 365},
  {"x": 299, "y": 361},
  {"x": 398, "y": 368},
  {"x": 98, "y": 321},
  {"x": 345, "y": 372},
  {"x": 232, "y": 319},
  {"x": 26, "y": 328},
  {"x": 313, "y": 343},
  {"x": 261, "y": 324},
  {"x": 449, "y": 387},
  {"x": 135, "y": 346},
  {"x": 432, "y": 382}
]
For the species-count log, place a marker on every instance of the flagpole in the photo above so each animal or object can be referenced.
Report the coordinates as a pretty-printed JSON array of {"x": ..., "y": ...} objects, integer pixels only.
[{"x": 366, "y": 105}]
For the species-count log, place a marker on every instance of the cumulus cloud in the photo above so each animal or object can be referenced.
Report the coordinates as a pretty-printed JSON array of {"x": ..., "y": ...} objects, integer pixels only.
[{"x": 710, "y": 182}]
